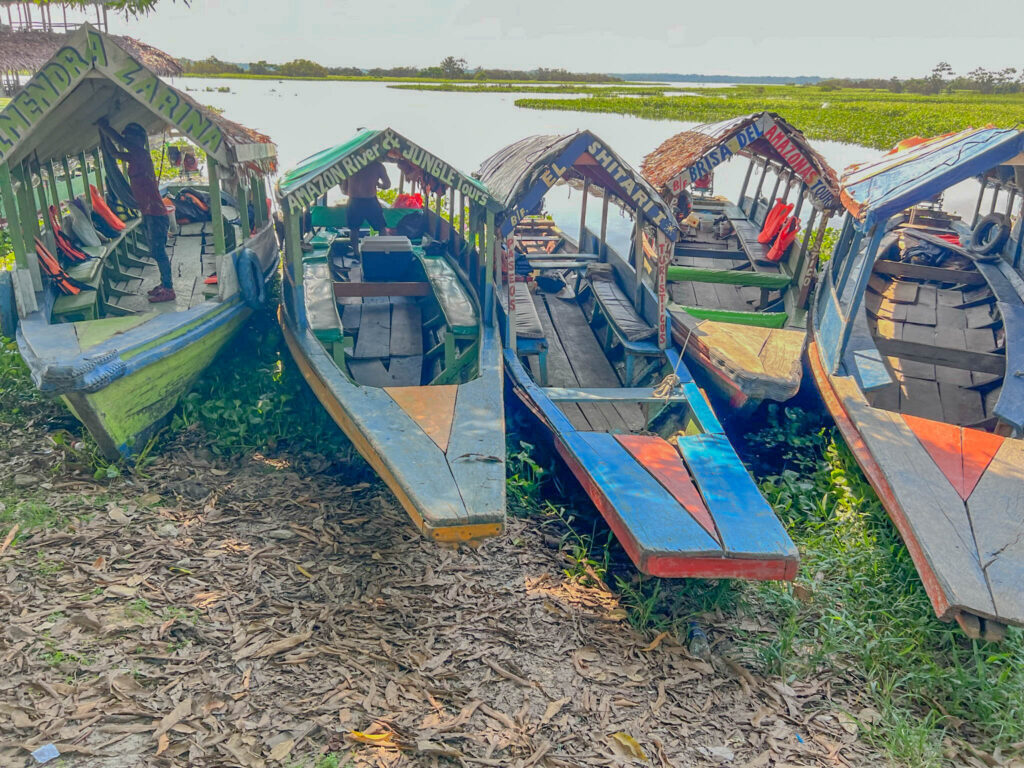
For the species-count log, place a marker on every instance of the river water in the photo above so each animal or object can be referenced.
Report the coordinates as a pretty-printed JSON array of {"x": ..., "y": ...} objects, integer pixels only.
[{"x": 303, "y": 117}]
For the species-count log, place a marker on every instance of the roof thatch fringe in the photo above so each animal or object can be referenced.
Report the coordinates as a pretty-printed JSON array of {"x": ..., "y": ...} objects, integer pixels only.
[{"x": 31, "y": 49}]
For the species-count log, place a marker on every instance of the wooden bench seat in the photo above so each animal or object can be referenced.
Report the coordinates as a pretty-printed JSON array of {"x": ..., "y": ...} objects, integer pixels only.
[
  {"x": 624, "y": 325},
  {"x": 530, "y": 337},
  {"x": 745, "y": 277},
  {"x": 459, "y": 311}
]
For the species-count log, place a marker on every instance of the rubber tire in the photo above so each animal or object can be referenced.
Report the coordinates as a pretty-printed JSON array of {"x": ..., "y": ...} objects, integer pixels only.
[
  {"x": 250, "y": 278},
  {"x": 984, "y": 243}
]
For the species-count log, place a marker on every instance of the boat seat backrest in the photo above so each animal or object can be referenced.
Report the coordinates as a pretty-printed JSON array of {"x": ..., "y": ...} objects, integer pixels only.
[
  {"x": 334, "y": 215},
  {"x": 528, "y": 324}
]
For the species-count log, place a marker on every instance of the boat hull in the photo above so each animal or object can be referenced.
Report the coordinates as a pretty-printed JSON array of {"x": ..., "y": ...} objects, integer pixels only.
[
  {"x": 967, "y": 551},
  {"x": 451, "y": 496},
  {"x": 124, "y": 415}
]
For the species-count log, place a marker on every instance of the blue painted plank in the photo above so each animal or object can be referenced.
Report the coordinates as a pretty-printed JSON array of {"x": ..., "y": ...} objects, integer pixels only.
[
  {"x": 705, "y": 415},
  {"x": 746, "y": 522},
  {"x": 657, "y": 522},
  {"x": 870, "y": 370},
  {"x": 1010, "y": 406}
]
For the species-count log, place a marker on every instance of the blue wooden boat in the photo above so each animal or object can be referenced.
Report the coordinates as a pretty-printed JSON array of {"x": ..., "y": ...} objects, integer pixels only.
[
  {"x": 119, "y": 362},
  {"x": 918, "y": 352},
  {"x": 593, "y": 362},
  {"x": 740, "y": 276},
  {"x": 397, "y": 339}
]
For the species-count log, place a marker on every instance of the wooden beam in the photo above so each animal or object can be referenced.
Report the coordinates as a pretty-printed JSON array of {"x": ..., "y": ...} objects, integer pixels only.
[
  {"x": 922, "y": 272},
  {"x": 83, "y": 168},
  {"x": 603, "y": 245},
  {"x": 11, "y": 207},
  {"x": 243, "y": 210},
  {"x": 583, "y": 211},
  {"x": 345, "y": 290},
  {"x": 98, "y": 170},
  {"x": 982, "y": 362}
]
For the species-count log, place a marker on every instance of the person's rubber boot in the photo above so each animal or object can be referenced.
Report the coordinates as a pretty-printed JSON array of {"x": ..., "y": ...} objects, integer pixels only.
[{"x": 162, "y": 294}]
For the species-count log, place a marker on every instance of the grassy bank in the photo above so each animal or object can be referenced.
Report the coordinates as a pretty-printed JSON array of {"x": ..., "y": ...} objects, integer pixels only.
[
  {"x": 873, "y": 118},
  {"x": 505, "y": 86},
  {"x": 856, "y": 623}
]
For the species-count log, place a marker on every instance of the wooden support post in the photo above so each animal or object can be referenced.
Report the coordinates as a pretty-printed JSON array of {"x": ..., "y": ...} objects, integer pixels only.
[
  {"x": 48, "y": 235},
  {"x": 977, "y": 207},
  {"x": 51, "y": 175},
  {"x": 583, "y": 215},
  {"x": 98, "y": 170},
  {"x": 663, "y": 249},
  {"x": 451, "y": 218},
  {"x": 83, "y": 168},
  {"x": 293, "y": 254},
  {"x": 995, "y": 200},
  {"x": 488, "y": 298},
  {"x": 462, "y": 215},
  {"x": 603, "y": 245},
  {"x": 243, "y": 210},
  {"x": 638, "y": 260},
  {"x": 756, "y": 199},
  {"x": 11, "y": 208},
  {"x": 801, "y": 194},
  {"x": 27, "y": 226},
  {"x": 746, "y": 181},
  {"x": 401, "y": 182},
  {"x": 775, "y": 188},
  {"x": 66, "y": 166},
  {"x": 215, "y": 207}
]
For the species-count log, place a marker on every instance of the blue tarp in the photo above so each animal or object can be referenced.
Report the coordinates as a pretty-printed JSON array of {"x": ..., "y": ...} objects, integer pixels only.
[{"x": 874, "y": 191}]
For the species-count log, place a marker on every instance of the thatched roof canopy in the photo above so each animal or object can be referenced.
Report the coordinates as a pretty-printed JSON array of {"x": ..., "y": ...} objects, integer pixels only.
[
  {"x": 693, "y": 153},
  {"x": 31, "y": 49},
  {"x": 93, "y": 76},
  {"x": 521, "y": 174}
]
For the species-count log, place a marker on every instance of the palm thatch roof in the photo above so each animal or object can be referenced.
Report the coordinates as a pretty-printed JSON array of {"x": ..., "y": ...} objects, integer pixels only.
[
  {"x": 521, "y": 173},
  {"x": 31, "y": 49},
  {"x": 695, "y": 152}
]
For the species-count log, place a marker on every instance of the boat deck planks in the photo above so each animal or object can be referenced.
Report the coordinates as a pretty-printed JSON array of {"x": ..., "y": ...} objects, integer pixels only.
[
  {"x": 374, "y": 339},
  {"x": 589, "y": 365}
]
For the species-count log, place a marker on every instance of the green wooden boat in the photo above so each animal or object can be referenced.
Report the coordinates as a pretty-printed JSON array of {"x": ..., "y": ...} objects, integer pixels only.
[
  {"x": 117, "y": 361},
  {"x": 397, "y": 338}
]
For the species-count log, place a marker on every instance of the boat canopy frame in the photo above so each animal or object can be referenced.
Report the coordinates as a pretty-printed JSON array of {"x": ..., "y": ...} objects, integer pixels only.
[
  {"x": 764, "y": 137},
  {"x": 874, "y": 192},
  {"x": 472, "y": 208},
  {"x": 50, "y": 126},
  {"x": 522, "y": 173}
]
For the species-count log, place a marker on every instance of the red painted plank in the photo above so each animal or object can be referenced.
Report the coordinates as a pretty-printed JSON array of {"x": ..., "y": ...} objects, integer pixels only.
[
  {"x": 663, "y": 462},
  {"x": 978, "y": 450},
  {"x": 943, "y": 443}
]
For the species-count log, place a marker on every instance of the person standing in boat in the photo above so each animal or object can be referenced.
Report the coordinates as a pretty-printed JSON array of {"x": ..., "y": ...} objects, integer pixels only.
[
  {"x": 146, "y": 192},
  {"x": 363, "y": 204}
]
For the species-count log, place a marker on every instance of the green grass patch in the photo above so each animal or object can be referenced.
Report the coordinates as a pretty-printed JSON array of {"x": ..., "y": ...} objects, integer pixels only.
[
  {"x": 360, "y": 78},
  {"x": 874, "y": 118}
]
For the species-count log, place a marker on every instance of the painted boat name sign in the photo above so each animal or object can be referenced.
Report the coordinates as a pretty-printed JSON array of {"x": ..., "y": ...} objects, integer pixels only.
[
  {"x": 386, "y": 145},
  {"x": 767, "y": 129},
  {"x": 88, "y": 50},
  {"x": 634, "y": 190}
]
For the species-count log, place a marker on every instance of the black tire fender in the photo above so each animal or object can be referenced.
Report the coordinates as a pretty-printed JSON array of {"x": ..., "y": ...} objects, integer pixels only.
[{"x": 990, "y": 234}]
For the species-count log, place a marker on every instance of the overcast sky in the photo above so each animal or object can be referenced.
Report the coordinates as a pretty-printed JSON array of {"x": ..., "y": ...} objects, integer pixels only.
[{"x": 876, "y": 38}]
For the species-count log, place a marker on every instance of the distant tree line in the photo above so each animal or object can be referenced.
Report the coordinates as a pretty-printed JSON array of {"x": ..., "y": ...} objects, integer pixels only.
[
  {"x": 942, "y": 79},
  {"x": 450, "y": 68}
]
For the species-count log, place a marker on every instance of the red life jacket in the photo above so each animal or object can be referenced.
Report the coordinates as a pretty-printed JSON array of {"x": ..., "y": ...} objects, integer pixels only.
[
  {"x": 774, "y": 220},
  {"x": 64, "y": 282},
  {"x": 786, "y": 237},
  {"x": 100, "y": 206}
]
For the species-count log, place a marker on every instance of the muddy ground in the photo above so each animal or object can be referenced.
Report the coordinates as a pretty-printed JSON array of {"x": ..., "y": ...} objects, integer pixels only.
[{"x": 271, "y": 611}]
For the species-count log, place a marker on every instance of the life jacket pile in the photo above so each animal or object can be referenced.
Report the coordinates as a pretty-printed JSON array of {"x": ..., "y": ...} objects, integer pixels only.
[
  {"x": 65, "y": 248},
  {"x": 190, "y": 207},
  {"x": 66, "y": 284},
  {"x": 99, "y": 206},
  {"x": 780, "y": 227}
]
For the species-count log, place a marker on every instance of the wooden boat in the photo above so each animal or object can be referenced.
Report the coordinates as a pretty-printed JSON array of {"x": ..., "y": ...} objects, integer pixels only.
[
  {"x": 410, "y": 367},
  {"x": 598, "y": 371},
  {"x": 739, "y": 291},
  {"x": 117, "y": 361},
  {"x": 918, "y": 351}
]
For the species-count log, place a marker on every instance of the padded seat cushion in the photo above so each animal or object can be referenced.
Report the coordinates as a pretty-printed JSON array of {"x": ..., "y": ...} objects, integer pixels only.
[
  {"x": 619, "y": 310},
  {"x": 527, "y": 320}
]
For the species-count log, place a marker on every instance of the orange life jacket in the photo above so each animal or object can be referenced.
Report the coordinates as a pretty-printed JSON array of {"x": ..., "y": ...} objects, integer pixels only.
[
  {"x": 100, "y": 206},
  {"x": 64, "y": 282},
  {"x": 65, "y": 247},
  {"x": 774, "y": 220}
]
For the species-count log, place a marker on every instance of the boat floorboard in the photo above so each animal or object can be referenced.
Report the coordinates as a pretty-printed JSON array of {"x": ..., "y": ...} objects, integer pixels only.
[{"x": 575, "y": 359}]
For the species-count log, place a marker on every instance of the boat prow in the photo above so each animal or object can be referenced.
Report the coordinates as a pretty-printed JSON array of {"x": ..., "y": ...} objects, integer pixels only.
[{"x": 436, "y": 447}]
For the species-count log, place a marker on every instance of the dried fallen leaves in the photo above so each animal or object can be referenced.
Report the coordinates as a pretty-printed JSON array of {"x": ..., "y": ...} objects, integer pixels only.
[{"x": 284, "y": 613}]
